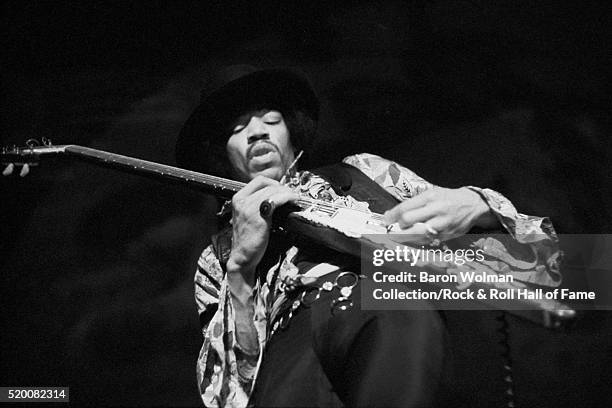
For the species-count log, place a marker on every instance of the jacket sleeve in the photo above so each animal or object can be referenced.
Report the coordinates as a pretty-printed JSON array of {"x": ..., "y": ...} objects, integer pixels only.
[
  {"x": 531, "y": 254},
  {"x": 225, "y": 372}
]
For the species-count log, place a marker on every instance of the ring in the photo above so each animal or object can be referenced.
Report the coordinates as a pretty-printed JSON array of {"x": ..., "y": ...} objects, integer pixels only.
[
  {"x": 266, "y": 208},
  {"x": 352, "y": 282}
]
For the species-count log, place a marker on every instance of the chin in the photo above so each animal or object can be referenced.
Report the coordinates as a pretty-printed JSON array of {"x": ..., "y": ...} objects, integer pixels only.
[{"x": 271, "y": 172}]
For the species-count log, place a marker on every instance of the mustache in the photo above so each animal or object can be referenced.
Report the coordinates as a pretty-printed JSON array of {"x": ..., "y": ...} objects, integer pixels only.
[{"x": 257, "y": 144}]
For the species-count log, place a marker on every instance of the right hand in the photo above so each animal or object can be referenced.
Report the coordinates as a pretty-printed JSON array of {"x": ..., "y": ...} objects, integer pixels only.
[{"x": 251, "y": 231}]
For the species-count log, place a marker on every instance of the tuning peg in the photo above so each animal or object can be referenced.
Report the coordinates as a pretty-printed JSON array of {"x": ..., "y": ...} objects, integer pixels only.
[
  {"x": 24, "y": 170},
  {"x": 8, "y": 170}
]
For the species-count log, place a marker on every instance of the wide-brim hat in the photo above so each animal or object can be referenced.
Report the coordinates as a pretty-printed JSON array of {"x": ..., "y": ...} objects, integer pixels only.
[{"x": 232, "y": 92}]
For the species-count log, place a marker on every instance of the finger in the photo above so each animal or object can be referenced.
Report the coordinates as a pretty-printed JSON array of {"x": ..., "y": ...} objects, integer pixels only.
[
  {"x": 268, "y": 206},
  {"x": 8, "y": 170},
  {"x": 275, "y": 197},
  {"x": 416, "y": 234},
  {"x": 408, "y": 218},
  {"x": 283, "y": 196},
  {"x": 254, "y": 186},
  {"x": 424, "y": 233},
  {"x": 251, "y": 204},
  {"x": 261, "y": 194},
  {"x": 279, "y": 194},
  {"x": 257, "y": 184},
  {"x": 393, "y": 214}
]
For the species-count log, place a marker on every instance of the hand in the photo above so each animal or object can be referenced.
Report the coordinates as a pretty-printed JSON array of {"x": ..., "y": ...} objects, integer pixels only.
[
  {"x": 449, "y": 212},
  {"x": 251, "y": 231}
]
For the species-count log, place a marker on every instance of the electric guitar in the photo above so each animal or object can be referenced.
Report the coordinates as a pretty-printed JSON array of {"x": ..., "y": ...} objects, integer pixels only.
[{"x": 358, "y": 232}]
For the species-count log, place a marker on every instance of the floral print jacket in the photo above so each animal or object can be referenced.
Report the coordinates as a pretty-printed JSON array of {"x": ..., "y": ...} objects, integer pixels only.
[{"x": 226, "y": 373}]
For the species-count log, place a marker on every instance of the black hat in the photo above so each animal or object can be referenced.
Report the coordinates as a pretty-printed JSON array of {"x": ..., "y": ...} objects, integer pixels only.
[{"x": 236, "y": 89}]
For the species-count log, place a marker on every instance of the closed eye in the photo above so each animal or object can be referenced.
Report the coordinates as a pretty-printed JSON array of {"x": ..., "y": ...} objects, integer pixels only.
[
  {"x": 237, "y": 129},
  {"x": 272, "y": 117}
]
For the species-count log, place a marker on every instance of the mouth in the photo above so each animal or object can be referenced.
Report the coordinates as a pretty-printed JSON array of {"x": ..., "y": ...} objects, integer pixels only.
[{"x": 260, "y": 149}]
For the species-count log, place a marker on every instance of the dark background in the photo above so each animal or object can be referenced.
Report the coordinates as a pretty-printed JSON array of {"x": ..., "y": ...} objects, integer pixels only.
[{"x": 97, "y": 266}]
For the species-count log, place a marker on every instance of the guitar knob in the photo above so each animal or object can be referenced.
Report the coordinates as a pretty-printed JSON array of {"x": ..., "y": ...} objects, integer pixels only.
[{"x": 24, "y": 170}]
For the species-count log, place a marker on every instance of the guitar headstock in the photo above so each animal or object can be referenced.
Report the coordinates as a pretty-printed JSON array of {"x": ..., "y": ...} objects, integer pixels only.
[{"x": 14, "y": 157}]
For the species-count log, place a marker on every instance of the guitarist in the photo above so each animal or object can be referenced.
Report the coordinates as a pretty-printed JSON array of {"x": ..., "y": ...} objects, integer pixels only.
[{"x": 282, "y": 321}]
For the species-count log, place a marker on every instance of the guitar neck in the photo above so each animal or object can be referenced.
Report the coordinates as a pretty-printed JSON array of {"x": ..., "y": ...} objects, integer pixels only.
[{"x": 203, "y": 182}]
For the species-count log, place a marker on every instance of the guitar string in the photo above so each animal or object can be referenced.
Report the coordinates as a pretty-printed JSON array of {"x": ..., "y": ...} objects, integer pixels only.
[
  {"x": 217, "y": 182},
  {"x": 302, "y": 201}
]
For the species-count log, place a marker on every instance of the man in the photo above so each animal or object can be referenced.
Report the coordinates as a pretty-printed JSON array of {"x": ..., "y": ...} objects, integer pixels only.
[{"x": 281, "y": 324}]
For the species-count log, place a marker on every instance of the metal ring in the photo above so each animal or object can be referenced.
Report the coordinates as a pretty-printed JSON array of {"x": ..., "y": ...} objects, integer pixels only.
[
  {"x": 266, "y": 208},
  {"x": 284, "y": 321},
  {"x": 308, "y": 301},
  {"x": 337, "y": 304},
  {"x": 346, "y": 273}
]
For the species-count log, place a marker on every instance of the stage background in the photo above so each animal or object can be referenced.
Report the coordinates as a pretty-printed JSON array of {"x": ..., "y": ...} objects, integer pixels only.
[{"x": 97, "y": 266}]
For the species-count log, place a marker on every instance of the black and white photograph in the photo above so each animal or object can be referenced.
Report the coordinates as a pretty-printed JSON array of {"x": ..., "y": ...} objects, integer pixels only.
[{"x": 306, "y": 204}]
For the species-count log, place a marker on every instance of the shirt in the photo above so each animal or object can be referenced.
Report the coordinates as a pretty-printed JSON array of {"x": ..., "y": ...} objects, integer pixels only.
[{"x": 226, "y": 373}]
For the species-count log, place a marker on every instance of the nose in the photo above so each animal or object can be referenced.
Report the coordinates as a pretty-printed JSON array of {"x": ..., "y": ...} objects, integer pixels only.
[{"x": 256, "y": 130}]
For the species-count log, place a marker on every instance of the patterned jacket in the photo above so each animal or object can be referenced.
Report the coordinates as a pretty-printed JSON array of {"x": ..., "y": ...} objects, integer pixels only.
[{"x": 226, "y": 373}]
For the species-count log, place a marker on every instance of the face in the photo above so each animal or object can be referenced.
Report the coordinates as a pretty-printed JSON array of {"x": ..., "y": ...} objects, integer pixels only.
[{"x": 259, "y": 145}]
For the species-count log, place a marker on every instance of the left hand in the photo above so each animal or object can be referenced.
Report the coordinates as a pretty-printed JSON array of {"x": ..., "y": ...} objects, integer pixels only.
[{"x": 449, "y": 212}]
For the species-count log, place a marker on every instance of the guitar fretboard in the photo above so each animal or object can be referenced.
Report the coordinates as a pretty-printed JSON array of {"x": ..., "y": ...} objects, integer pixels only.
[{"x": 205, "y": 182}]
